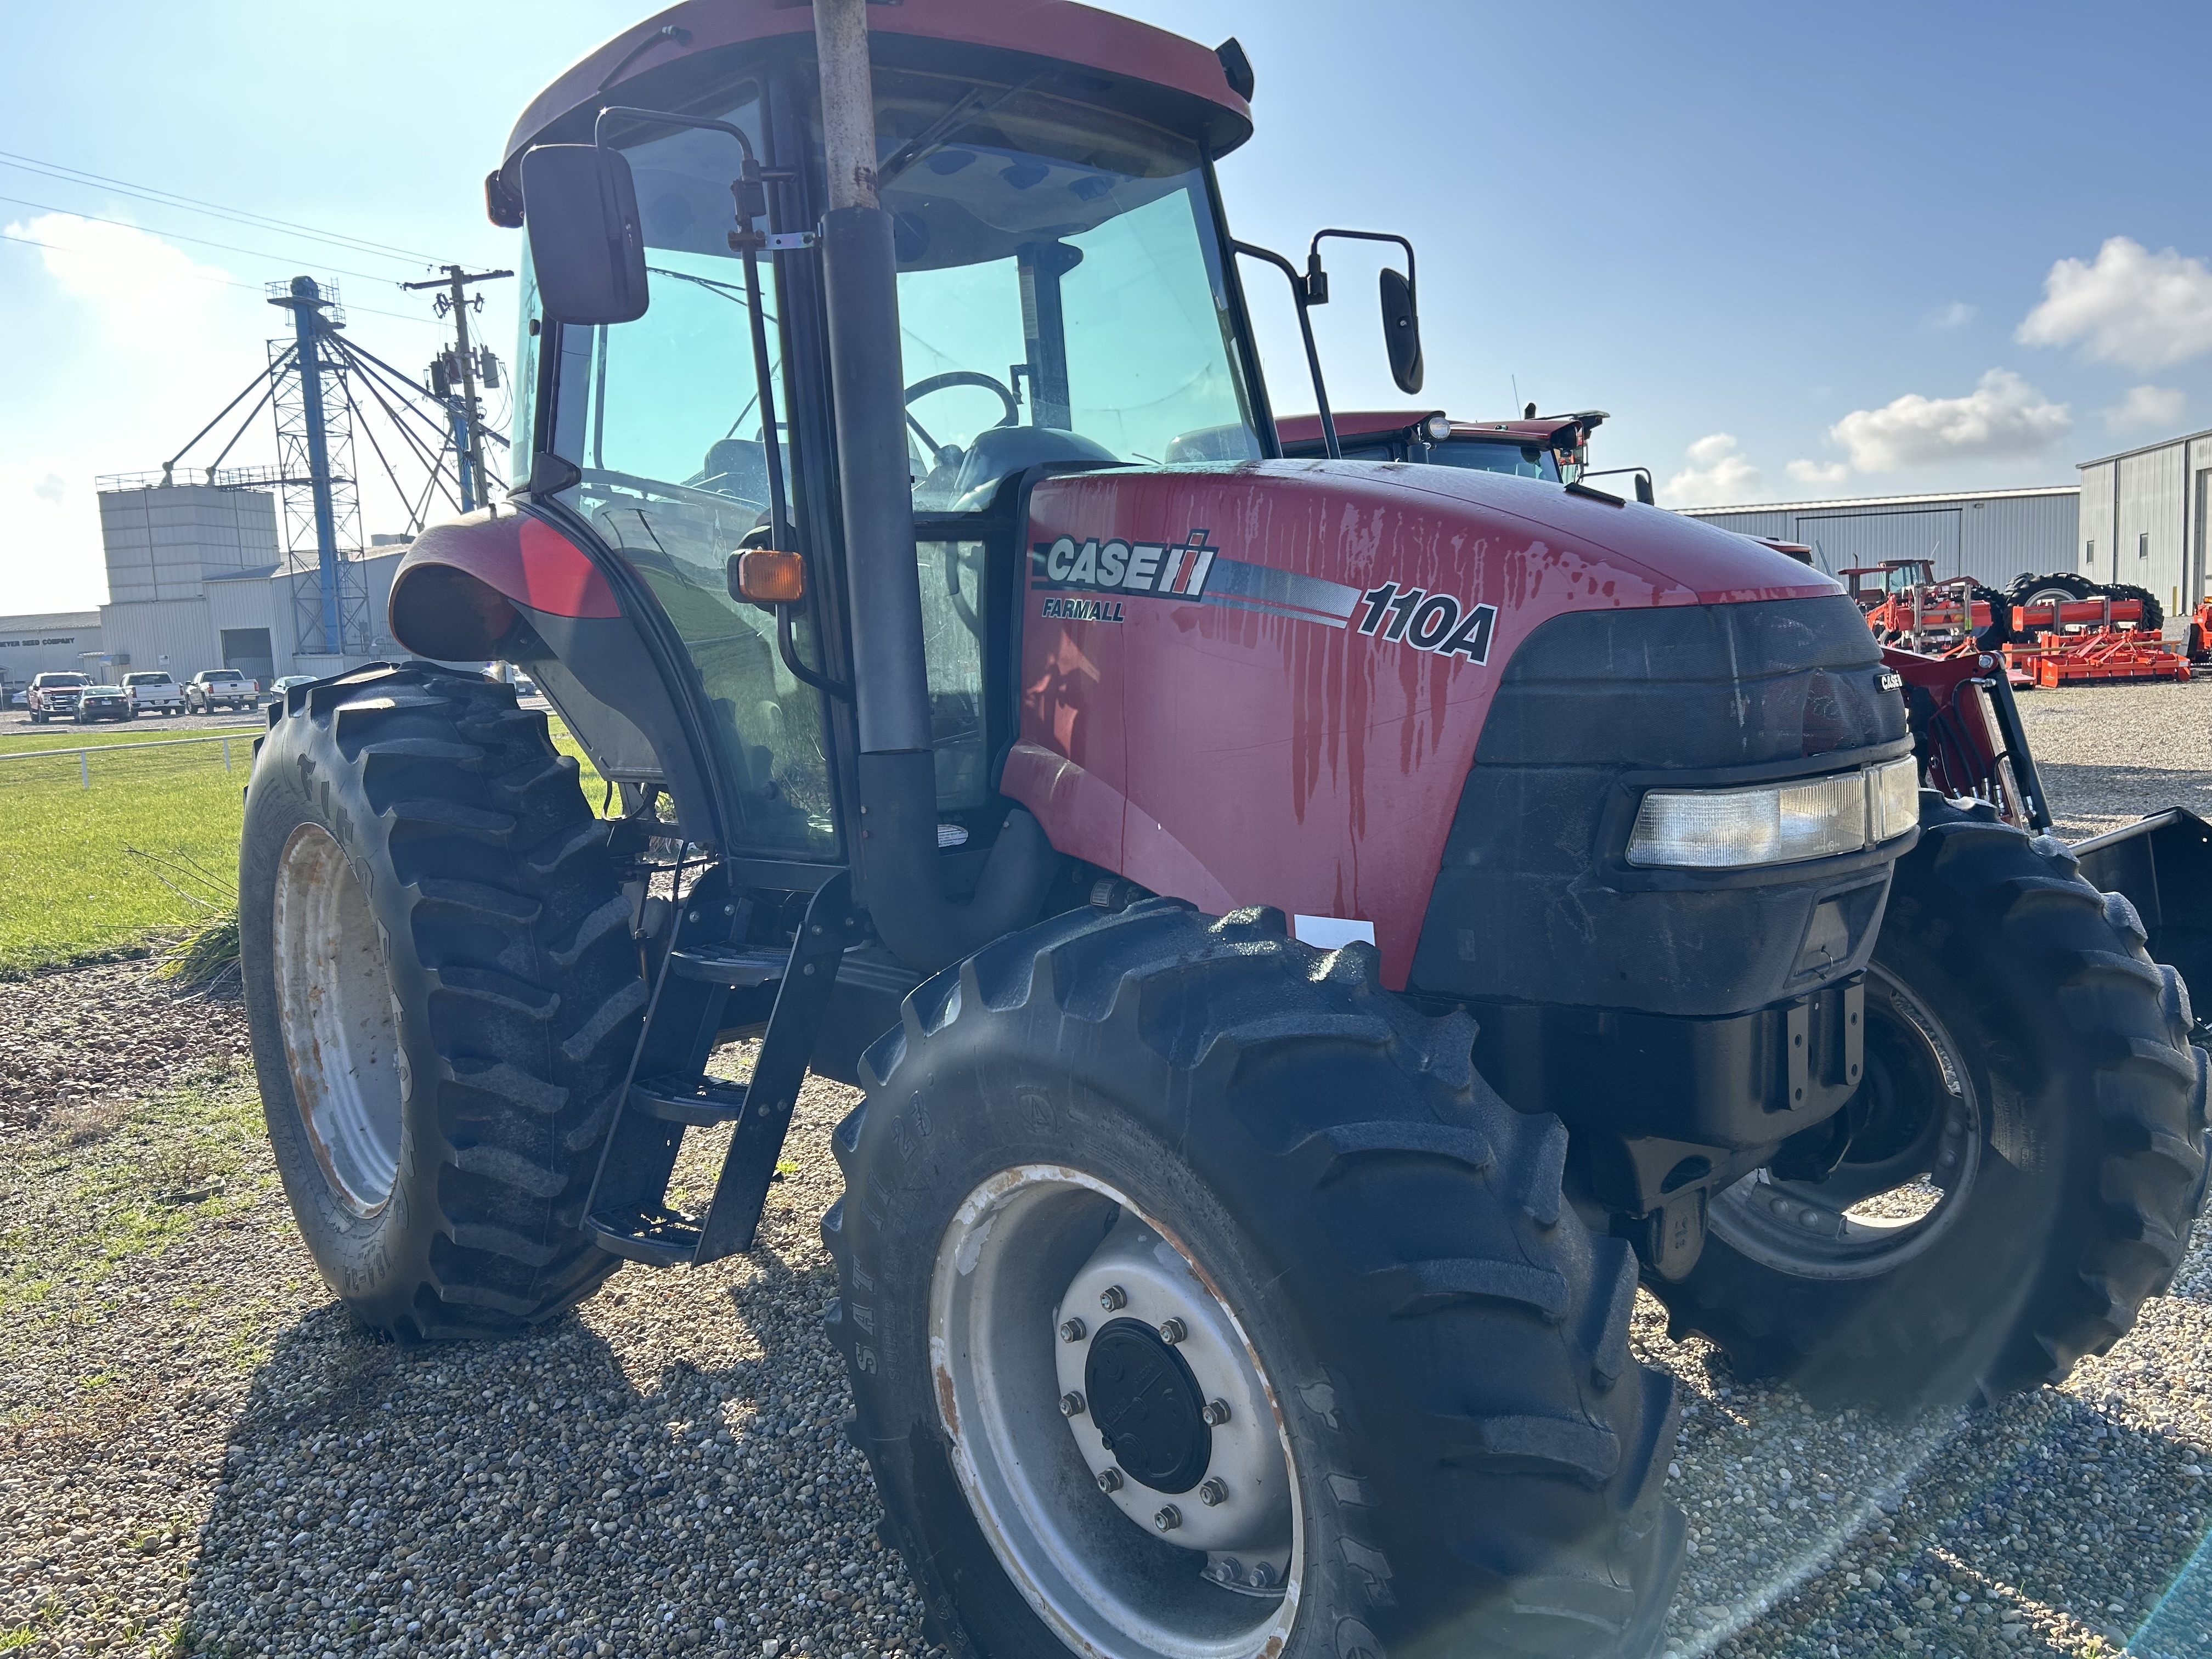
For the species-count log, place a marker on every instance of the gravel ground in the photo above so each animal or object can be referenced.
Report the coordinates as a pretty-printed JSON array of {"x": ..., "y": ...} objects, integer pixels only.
[{"x": 199, "y": 1446}]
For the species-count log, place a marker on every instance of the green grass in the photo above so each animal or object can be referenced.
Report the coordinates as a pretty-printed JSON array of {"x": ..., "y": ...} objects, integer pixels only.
[
  {"x": 73, "y": 889},
  {"x": 18, "y": 740},
  {"x": 96, "y": 1189}
]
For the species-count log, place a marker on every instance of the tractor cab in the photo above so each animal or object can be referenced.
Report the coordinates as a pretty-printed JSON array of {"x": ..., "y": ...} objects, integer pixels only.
[
  {"x": 1874, "y": 584},
  {"x": 1554, "y": 448}
]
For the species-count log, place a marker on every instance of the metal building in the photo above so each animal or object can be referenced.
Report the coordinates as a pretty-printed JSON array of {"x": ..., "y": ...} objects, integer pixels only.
[
  {"x": 196, "y": 579},
  {"x": 1991, "y": 535},
  {"x": 49, "y": 640},
  {"x": 2143, "y": 513}
]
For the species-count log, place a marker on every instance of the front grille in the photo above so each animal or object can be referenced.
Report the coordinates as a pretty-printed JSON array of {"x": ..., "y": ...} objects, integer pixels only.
[{"x": 1533, "y": 901}]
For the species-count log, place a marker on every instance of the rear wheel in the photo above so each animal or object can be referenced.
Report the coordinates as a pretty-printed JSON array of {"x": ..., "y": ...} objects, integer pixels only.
[
  {"x": 2015, "y": 1174},
  {"x": 443, "y": 995},
  {"x": 1199, "y": 1300}
]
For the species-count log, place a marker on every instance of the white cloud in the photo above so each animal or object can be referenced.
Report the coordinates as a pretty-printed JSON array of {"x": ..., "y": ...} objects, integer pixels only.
[
  {"x": 1718, "y": 473},
  {"x": 51, "y": 489},
  {"x": 1957, "y": 314},
  {"x": 2146, "y": 405},
  {"x": 1827, "y": 473},
  {"x": 2003, "y": 415},
  {"x": 140, "y": 288},
  {"x": 2132, "y": 306}
]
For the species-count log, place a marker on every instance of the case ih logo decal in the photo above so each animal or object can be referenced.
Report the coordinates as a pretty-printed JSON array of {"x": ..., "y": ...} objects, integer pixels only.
[
  {"x": 1120, "y": 566},
  {"x": 1193, "y": 571}
]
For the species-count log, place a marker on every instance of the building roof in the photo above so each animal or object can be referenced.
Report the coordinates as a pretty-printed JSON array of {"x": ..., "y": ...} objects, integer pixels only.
[
  {"x": 38, "y": 622},
  {"x": 2145, "y": 449},
  {"x": 1884, "y": 500}
]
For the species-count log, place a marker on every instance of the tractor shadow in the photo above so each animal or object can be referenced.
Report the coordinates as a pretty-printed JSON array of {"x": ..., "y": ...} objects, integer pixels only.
[{"x": 591, "y": 1489}]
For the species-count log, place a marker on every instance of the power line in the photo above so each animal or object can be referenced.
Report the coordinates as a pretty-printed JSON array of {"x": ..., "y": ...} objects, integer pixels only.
[
  {"x": 225, "y": 281},
  {"x": 180, "y": 236},
  {"x": 241, "y": 215}
]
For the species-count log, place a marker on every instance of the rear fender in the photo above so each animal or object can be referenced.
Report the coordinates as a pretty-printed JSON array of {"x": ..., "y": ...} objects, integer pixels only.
[
  {"x": 2162, "y": 864},
  {"x": 512, "y": 587}
]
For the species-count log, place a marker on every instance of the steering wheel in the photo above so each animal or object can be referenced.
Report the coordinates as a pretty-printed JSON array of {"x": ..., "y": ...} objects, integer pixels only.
[{"x": 922, "y": 389}]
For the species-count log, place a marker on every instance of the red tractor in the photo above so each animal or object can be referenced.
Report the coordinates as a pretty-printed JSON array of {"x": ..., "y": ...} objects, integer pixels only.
[{"x": 1312, "y": 933}]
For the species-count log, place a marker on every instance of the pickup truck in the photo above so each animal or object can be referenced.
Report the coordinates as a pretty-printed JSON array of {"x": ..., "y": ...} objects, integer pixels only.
[
  {"x": 220, "y": 688},
  {"x": 55, "y": 694},
  {"x": 153, "y": 693}
]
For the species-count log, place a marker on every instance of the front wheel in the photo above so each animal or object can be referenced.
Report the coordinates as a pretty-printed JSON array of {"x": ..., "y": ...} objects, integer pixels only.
[
  {"x": 443, "y": 995},
  {"x": 1198, "y": 1299},
  {"x": 2015, "y": 1175}
]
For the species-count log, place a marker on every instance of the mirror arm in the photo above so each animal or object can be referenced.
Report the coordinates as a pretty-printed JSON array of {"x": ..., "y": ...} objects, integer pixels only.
[
  {"x": 1299, "y": 292},
  {"x": 750, "y": 196},
  {"x": 1413, "y": 288}
]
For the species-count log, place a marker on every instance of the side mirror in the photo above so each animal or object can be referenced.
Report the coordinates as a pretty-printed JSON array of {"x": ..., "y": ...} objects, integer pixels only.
[
  {"x": 1401, "y": 331},
  {"x": 587, "y": 244}
]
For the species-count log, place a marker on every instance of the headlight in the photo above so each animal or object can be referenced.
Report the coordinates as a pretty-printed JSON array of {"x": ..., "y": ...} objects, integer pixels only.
[{"x": 1777, "y": 823}]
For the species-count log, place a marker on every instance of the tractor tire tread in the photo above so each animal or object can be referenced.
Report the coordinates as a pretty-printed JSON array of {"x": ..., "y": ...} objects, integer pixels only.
[{"x": 1187, "y": 1005}]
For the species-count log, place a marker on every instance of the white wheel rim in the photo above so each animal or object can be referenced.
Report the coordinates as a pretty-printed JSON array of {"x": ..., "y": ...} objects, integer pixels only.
[
  {"x": 334, "y": 1000},
  {"x": 1017, "y": 1260}
]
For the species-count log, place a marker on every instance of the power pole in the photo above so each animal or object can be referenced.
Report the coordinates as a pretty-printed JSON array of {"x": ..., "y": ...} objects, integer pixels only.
[{"x": 468, "y": 419}]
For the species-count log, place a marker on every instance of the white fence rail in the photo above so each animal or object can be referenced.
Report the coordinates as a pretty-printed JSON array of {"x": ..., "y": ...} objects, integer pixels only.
[{"x": 243, "y": 738}]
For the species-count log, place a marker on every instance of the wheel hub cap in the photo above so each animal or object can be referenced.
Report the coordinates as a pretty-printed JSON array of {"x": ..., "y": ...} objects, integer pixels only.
[
  {"x": 1111, "y": 1424},
  {"x": 1147, "y": 1406}
]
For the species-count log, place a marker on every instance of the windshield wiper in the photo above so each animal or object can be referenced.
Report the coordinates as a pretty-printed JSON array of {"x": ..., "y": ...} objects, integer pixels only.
[{"x": 968, "y": 108}]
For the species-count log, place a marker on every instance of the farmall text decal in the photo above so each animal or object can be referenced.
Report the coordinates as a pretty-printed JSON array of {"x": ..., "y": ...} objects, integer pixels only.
[{"x": 1192, "y": 571}]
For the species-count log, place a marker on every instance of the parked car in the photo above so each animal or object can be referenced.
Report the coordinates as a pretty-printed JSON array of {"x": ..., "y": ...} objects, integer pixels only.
[
  {"x": 220, "y": 688},
  {"x": 153, "y": 692},
  {"x": 55, "y": 693},
  {"x": 278, "y": 687},
  {"x": 104, "y": 702}
]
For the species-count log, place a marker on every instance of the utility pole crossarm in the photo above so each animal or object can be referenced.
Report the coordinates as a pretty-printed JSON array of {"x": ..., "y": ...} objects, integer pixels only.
[{"x": 468, "y": 420}]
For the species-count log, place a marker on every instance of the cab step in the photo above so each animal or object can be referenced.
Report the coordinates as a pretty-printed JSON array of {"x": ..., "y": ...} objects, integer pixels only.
[
  {"x": 671, "y": 1091},
  {"x": 698, "y": 1103},
  {"x": 660, "y": 1237},
  {"x": 730, "y": 965}
]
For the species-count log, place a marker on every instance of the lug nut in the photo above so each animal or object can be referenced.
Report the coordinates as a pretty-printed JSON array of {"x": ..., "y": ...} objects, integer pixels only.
[
  {"x": 1216, "y": 1412},
  {"x": 1229, "y": 1570},
  {"x": 1072, "y": 1331},
  {"x": 1071, "y": 1405},
  {"x": 1113, "y": 1298},
  {"x": 1213, "y": 1493},
  {"x": 1169, "y": 1518},
  {"x": 1109, "y": 1480},
  {"x": 1263, "y": 1575},
  {"x": 1173, "y": 1331}
]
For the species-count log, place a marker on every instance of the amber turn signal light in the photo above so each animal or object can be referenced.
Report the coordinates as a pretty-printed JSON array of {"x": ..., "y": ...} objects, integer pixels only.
[{"x": 768, "y": 577}]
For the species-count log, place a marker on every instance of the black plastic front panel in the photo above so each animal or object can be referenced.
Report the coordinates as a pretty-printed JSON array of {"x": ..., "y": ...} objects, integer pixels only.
[{"x": 1535, "y": 901}]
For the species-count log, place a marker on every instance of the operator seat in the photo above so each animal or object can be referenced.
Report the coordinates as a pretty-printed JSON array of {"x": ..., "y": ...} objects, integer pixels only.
[{"x": 998, "y": 453}]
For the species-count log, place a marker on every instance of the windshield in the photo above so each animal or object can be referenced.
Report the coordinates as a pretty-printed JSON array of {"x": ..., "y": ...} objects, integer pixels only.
[
  {"x": 62, "y": 680},
  {"x": 1060, "y": 290},
  {"x": 145, "y": 679},
  {"x": 1523, "y": 460}
]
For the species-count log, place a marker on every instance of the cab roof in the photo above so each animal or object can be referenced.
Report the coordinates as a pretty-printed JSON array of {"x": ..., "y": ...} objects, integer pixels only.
[
  {"x": 1097, "y": 46},
  {"x": 1368, "y": 423}
]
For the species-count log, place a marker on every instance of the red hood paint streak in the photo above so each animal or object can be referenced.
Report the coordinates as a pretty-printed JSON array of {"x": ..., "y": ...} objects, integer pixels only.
[{"x": 1260, "y": 751}]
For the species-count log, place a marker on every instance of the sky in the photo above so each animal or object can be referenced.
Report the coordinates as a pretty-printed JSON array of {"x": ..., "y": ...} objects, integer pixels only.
[{"x": 1797, "y": 251}]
